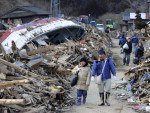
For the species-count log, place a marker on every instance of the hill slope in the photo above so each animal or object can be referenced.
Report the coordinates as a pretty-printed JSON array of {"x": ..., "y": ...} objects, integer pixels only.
[{"x": 78, "y": 7}]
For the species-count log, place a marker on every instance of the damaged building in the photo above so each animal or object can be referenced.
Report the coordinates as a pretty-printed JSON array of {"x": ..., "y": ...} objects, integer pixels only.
[{"x": 41, "y": 33}]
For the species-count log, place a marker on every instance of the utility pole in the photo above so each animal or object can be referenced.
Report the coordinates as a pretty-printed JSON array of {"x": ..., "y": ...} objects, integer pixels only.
[
  {"x": 55, "y": 7},
  {"x": 148, "y": 1}
]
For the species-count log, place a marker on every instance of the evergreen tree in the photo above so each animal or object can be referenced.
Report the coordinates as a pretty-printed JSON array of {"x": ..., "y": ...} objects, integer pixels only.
[{"x": 139, "y": 23}]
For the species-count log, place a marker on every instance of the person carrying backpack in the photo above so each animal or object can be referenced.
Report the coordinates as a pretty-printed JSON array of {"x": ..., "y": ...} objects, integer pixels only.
[
  {"x": 102, "y": 68},
  {"x": 127, "y": 52},
  {"x": 84, "y": 78}
]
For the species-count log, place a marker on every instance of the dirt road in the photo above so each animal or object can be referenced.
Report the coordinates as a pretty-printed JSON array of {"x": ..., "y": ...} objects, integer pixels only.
[{"x": 117, "y": 106}]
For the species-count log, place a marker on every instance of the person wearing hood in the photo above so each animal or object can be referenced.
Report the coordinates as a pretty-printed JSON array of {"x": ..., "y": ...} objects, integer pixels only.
[
  {"x": 102, "y": 68},
  {"x": 84, "y": 78},
  {"x": 122, "y": 41}
]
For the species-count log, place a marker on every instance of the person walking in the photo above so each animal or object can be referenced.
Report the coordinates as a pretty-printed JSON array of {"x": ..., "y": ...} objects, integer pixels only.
[
  {"x": 84, "y": 78},
  {"x": 103, "y": 67},
  {"x": 107, "y": 30},
  {"x": 127, "y": 52},
  {"x": 139, "y": 52},
  {"x": 122, "y": 41},
  {"x": 134, "y": 40}
]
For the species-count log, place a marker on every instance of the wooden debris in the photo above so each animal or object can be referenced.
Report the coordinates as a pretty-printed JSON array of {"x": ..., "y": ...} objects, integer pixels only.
[
  {"x": 13, "y": 83},
  {"x": 19, "y": 68},
  {"x": 139, "y": 83},
  {"x": 49, "y": 89},
  {"x": 11, "y": 101},
  {"x": 40, "y": 50}
]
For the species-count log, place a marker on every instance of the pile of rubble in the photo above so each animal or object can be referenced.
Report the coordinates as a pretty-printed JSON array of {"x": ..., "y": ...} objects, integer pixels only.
[
  {"x": 35, "y": 78},
  {"x": 136, "y": 87},
  {"x": 25, "y": 91}
]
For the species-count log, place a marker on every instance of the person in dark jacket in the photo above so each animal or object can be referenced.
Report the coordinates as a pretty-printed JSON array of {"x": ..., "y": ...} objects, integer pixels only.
[
  {"x": 122, "y": 41},
  {"x": 134, "y": 41},
  {"x": 127, "y": 52},
  {"x": 103, "y": 67},
  {"x": 107, "y": 30},
  {"x": 139, "y": 52}
]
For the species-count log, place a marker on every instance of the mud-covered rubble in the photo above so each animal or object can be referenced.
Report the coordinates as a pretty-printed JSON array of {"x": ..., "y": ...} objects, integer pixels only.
[{"x": 35, "y": 78}]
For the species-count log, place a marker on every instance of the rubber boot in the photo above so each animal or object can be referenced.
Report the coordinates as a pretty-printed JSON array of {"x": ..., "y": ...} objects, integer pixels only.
[
  {"x": 84, "y": 100},
  {"x": 107, "y": 98},
  {"x": 78, "y": 103},
  {"x": 102, "y": 99}
]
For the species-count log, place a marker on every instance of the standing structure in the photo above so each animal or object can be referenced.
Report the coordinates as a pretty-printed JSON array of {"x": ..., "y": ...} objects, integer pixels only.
[
  {"x": 55, "y": 8},
  {"x": 24, "y": 14},
  {"x": 148, "y": 1},
  {"x": 148, "y": 13}
]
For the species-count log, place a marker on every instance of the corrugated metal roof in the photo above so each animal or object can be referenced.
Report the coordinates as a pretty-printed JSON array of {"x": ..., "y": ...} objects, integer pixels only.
[
  {"x": 23, "y": 11},
  {"x": 35, "y": 10},
  {"x": 38, "y": 29}
]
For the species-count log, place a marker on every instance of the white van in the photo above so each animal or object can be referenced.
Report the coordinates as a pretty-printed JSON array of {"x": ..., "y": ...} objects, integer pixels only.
[{"x": 100, "y": 27}]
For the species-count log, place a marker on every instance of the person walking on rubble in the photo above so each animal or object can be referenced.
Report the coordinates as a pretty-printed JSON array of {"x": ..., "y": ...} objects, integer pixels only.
[
  {"x": 127, "y": 52},
  {"x": 134, "y": 40},
  {"x": 139, "y": 52},
  {"x": 102, "y": 68},
  {"x": 84, "y": 78},
  {"x": 122, "y": 41}
]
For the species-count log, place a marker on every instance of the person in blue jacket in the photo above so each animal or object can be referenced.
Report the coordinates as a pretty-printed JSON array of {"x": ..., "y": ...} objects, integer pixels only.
[
  {"x": 105, "y": 85},
  {"x": 134, "y": 40},
  {"x": 122, "y": 41}
]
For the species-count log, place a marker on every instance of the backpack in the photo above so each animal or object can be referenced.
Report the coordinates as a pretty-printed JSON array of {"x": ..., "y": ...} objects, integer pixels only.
[{"x": 135, "y": 61}]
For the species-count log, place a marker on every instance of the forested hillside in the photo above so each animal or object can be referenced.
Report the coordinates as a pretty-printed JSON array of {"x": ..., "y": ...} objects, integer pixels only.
[{"x": 78, "y": 7}]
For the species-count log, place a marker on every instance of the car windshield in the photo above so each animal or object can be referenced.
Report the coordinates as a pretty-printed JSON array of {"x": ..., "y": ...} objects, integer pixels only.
[{"x": 99, "y": 25}]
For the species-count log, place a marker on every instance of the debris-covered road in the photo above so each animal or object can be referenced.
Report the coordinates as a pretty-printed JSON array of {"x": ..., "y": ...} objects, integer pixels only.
[
  {"x": 36, "y": 67},
  {"x": 117, "y": 106}
]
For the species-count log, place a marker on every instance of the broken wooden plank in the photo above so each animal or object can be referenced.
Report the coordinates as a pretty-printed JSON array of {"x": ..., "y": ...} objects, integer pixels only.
[
  {"x": 40, "y": 50},
  {"x": 13, "y": 83},
  {"x": 11, "y": 101}
]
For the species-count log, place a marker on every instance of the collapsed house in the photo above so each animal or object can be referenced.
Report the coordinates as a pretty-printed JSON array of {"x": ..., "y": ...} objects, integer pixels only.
[{"x": 37, "y": 60}]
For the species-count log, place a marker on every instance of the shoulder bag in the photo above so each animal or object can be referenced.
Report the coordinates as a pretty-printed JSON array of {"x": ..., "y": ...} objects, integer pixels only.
[
  {"x": 99, "y": 77},
  {"x": 74, "y": 79}
]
